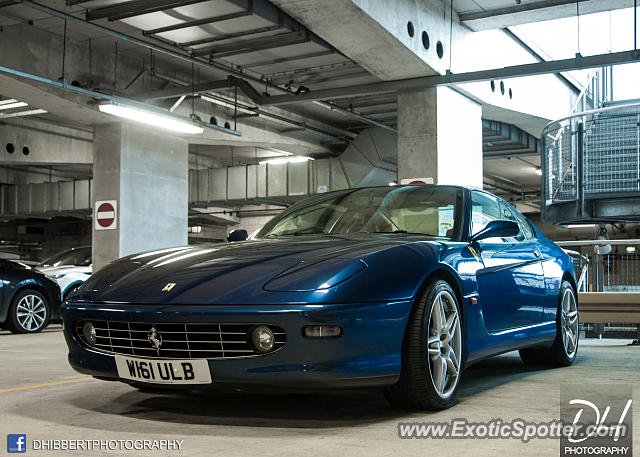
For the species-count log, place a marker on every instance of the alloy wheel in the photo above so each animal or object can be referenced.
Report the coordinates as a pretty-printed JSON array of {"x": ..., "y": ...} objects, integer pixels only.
[
  {"x": 444, "y": 344},
  {"x": 569, "y": 322},
  {"x": 31, "y": 312}
]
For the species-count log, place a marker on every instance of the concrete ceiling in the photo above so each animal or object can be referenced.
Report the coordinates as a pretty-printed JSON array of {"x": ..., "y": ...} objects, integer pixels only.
[
  {"x": 279, "y": 54},
  {"x": 497, "y": 14}
]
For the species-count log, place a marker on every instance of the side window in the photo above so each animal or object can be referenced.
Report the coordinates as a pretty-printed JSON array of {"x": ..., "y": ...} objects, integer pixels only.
[
  {"x": 525, "y": 225},
  {"x": 484, "y": 209},
  {"x": 511, "y": 214}
]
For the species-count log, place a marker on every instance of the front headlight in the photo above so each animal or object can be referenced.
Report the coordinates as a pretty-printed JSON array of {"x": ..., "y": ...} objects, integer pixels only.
[{"x": 55, "y": 275}]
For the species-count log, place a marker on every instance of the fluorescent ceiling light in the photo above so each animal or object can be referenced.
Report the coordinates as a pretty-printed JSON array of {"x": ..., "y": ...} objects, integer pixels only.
[
  {"x": 294, "y": 159},
  {"x": 151, "y": 118},
  {"x": 8, "y": 100},
  {"x": 579, "y": 226},
  {"x": 23, "y": 113},
  {"x": 13, "y": 104},
  {"x": 538, "y": 171}
]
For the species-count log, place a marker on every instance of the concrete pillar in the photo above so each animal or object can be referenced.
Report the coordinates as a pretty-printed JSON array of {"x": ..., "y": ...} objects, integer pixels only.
[
  {"x": 146, "y": 172},
  {"x": 439, "y": 137}
]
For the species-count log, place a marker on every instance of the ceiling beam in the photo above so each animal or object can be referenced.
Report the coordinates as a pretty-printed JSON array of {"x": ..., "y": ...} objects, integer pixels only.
[
  {"x": 228, "y": 36},
  {"x": 256, "y": 44},
  {"x": 207, "y": 86},
  {"x": 206, "y": 21},
  {"x": 521, "y": 8},
  {"x": 538, "y": 68},
  {"x": 135, "y": 8},
  {"x": 266, "y": 63}
]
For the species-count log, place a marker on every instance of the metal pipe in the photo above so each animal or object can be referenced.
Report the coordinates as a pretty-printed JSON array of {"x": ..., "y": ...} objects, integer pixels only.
[
  {"x": 260, "y": 111},
  {"x": 630, "y": 241},
  {"x": 123, "y": 36},
  {"x": 424, "y": 82},
  {"x": 63, "y": 85},
  {"x": 360, "y": 117},
  {"x": 161, "y": 49}
]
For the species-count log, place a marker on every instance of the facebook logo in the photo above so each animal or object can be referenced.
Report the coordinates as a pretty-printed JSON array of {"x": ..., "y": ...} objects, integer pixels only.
[{"x": 16, "y": 443}]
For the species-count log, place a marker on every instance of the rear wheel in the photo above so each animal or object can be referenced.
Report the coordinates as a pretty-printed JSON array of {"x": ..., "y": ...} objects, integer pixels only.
[
  {"x": 29, "y": 312},
  {"x": 432, "y": 352},
  {"x": 565, "y": 346}
]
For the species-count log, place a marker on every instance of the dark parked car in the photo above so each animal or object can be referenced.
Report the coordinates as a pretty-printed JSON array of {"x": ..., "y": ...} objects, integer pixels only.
[
  {"x": 398, "y": 287},
  {"x": 28, "y": 299}
]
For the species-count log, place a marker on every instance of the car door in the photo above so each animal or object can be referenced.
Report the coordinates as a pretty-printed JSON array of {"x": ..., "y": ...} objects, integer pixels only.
[{"x": 511, "y": 284}]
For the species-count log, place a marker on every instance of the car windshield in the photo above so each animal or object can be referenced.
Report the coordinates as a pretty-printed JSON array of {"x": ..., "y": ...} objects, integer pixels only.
[
  {"x": 80, "y": 257},
  {"x": 428, "y": 210}
]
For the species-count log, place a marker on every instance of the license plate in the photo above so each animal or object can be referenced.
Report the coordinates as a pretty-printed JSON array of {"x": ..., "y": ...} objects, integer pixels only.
[{"x": 163, "y": 371}]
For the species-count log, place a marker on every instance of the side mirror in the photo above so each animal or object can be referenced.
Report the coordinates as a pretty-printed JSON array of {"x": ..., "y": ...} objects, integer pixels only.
[
  {"x": 237, "y": 235},
  {"x": 500, "y": 229}
]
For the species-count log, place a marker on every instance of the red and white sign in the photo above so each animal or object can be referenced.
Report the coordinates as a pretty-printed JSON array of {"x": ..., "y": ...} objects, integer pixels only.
[
  {"x": 416, "y": 181},
  {"x": 106, "y": 215}
]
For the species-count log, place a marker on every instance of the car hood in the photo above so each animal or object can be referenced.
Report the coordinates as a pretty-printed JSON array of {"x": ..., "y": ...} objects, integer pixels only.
[
  {"x": 236, "y": 273},
  {"x": 64, "y": 270}
]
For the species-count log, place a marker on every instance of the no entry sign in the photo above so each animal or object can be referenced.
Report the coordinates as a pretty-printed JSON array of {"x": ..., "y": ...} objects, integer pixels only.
[
  {"x": 417, "y": 181},
  {"x": 106, "y": 215}
]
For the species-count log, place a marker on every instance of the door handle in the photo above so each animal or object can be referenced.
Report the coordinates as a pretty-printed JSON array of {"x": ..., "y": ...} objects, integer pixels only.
[{"x": 536, "y": 253}]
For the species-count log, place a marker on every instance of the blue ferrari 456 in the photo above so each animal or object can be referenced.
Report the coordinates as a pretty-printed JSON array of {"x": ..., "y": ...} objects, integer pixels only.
[{"x": 397, "y": 287}]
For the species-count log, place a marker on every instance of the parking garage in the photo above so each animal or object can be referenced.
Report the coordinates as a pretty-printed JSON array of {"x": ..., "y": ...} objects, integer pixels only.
[{"x": 231, "y": 227}]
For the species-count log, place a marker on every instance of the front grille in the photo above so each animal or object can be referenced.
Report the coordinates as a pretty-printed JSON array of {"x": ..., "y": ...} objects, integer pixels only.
[{"x": 179, "y": 340}]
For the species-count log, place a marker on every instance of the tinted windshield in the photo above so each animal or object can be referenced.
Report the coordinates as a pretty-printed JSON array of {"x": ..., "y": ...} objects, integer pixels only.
[
  {"x": 80, "y": 257},
  {"x": 428, "y": 210}
]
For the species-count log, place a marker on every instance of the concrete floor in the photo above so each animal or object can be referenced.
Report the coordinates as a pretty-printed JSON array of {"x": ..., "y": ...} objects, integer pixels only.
[{"x": 40, "y": 395}]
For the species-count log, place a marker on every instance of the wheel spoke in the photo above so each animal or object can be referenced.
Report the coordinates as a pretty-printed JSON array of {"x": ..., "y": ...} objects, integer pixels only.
[
  {"x": 570, "y": 342},
  {"x": 452, "y": 363},
  {"x": 443, "y": 375},
  {"x": 433, "y": 351},
  {"x": 573, "y": 320},
  {"x": 451, "y": 323},
  {"x": 443, "y": 313},
  {"x": 436, "y": 315},
  {"x": 436, "y": 376}
]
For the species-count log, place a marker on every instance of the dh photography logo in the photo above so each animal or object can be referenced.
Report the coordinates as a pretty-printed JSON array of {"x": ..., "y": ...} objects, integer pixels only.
[
  {"x": 16, "y": 443},
  {"x": 601, "y": 420}
]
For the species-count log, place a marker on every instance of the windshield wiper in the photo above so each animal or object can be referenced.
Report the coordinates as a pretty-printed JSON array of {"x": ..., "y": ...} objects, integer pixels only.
[
  {"x": 307, "y": 231},
  {"x": 411, "y": 233}
]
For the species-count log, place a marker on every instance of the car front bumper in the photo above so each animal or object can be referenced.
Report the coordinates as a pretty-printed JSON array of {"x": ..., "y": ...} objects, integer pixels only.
[{"x": 367, "y": 354}]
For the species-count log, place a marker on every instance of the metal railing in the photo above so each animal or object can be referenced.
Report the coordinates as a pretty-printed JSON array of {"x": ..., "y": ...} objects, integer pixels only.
[
  {"x": 616, "y": 272},
  {"x": 590, "y": 155},
  {"x": 595, "y": 150}
]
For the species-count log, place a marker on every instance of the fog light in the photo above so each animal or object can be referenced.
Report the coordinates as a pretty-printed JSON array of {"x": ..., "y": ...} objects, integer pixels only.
[
  {"x": 263, "y": 339},
  {"x": 89, "y": 333},
  {"x": 322, "y": 331}
]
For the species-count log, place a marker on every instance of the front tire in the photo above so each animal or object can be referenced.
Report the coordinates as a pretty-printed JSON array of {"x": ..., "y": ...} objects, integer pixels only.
[
  {"x": 565, "y": 346},
  {"x": 29, "y": 312},
  {"x": 432, "y": 352}
]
